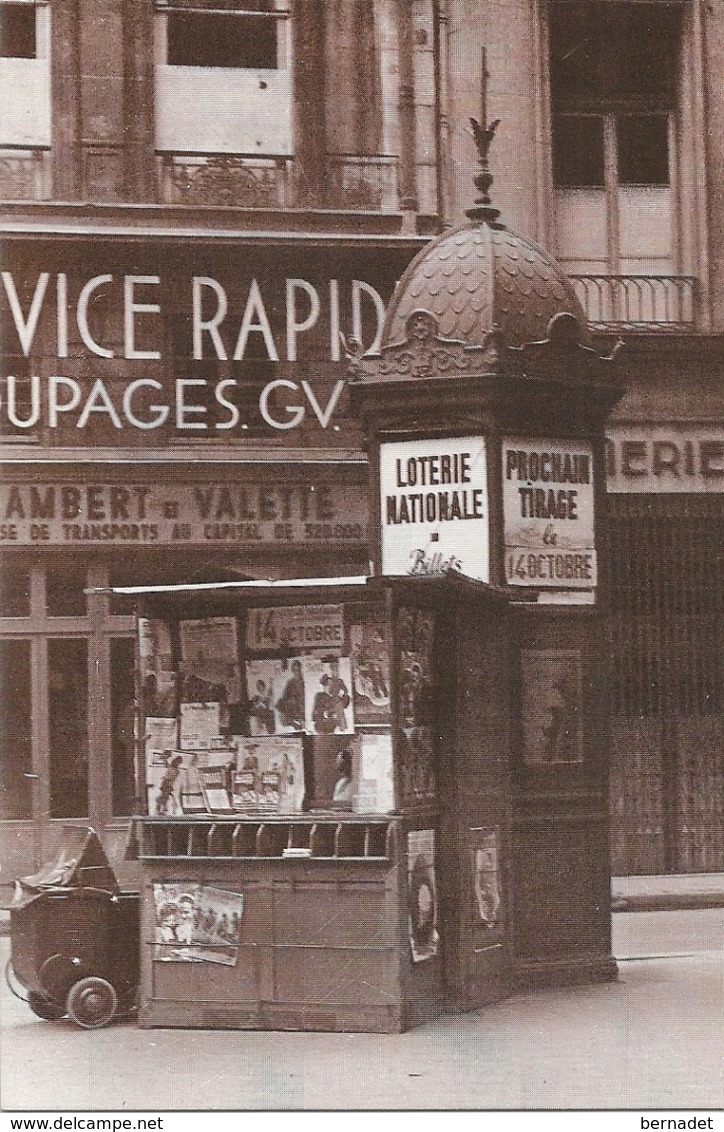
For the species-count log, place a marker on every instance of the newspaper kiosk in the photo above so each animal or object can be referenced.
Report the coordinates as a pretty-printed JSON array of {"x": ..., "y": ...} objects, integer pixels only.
[{"x": 326, "y": 797}]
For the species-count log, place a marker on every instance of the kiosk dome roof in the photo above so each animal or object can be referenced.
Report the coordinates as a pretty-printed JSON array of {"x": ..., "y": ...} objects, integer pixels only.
[{"x": 481, "y": 276}]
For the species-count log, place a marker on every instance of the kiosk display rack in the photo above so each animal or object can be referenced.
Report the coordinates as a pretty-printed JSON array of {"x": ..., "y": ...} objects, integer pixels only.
[{"x": 303, "y": 794}]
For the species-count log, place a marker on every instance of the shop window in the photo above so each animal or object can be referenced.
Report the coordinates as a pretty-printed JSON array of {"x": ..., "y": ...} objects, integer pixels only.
[
  {"x": 613, "y": 75},
  {"x": 68, "y": 727},
  {"x": 15, "y": 749},
  {"x": 64, "y": 596},
  {"x": 223, "y": 39},
  {"x": 122, "y": 715},
  {"x": 17, "y": 31},
  {"x": 14, "y": 591}
]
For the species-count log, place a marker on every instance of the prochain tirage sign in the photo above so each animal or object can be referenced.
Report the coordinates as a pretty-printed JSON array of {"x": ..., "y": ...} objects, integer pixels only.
[{"x": 548, "y": 513}]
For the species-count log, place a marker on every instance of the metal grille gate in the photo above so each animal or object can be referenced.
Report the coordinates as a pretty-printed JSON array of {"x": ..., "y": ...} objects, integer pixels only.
[{"x": 666, "y": 631}]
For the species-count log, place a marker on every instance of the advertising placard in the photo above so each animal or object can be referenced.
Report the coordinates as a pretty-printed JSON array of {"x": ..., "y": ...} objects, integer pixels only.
[
  {"x": 548, "y": 513},
  {"x": 297, "y": 627},
  {"x": 434, "y": 507}
]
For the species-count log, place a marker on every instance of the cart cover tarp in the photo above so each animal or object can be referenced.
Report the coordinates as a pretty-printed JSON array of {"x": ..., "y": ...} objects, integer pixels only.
[{"x": 81, "y": 863}]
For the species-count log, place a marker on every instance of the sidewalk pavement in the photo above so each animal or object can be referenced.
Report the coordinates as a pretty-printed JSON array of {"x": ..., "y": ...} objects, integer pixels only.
[
  {"x": 667, "y": 893},
  {"x": 651, "y": 1042}
]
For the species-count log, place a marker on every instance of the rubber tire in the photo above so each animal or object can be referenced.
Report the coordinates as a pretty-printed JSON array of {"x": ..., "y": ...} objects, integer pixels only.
[
  {"x": 92, "y": 1002},
  {"x": 45, "y": 1008}
]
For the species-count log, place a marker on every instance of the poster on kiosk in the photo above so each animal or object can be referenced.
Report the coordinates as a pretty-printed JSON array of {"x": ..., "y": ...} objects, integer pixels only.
[{"x": 434, "y": 507}]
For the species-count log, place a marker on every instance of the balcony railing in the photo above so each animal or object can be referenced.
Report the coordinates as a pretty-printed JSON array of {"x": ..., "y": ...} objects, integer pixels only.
[
  {"x": 637, "y": 302},
  {"x": 350, "y": 182}
]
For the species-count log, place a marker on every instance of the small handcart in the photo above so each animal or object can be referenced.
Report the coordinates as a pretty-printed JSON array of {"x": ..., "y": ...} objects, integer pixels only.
[{"x": 74, "y": 939}]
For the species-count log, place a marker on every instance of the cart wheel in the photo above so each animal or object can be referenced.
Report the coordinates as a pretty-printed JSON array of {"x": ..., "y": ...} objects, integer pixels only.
[
  {"x": 45, "y": 1007},
  {"x": 92, "y": 1002},
  {"x": 14, "y": 983}
]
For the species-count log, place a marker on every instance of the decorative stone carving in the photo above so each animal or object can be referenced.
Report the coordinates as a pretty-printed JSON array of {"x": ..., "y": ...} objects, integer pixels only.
[
  {"x": 561, "y": 353},
  {"x": 422, "y": 354}
]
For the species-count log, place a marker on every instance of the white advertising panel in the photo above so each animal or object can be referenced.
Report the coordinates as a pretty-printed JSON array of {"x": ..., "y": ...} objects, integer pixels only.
[
  {"x": 434, "y": 507},
  {"x": 548, "y": 514}
]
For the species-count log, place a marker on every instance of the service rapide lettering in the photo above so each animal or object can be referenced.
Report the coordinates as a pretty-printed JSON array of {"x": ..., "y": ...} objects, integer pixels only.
[
  {"x": 272, "y": 318},
  {"x": 544, "y": 493}
]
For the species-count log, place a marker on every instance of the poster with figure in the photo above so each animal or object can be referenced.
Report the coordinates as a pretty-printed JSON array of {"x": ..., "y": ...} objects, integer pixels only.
[
  {"x": 157, "y": 672},
  {"x": 486, "y": 875},
  {"x": 210, "y": 669},
  {"x": 416, "y": 691},
  {"x": 262, "y": 678},
  {"x": 216, "y": 932},
  {"x": 288, "y": 697},
  {"x": 552, "y": 707},
  {"x": 164, "y": 782},
  {"x": 174, "y": 908},
  {"x": 370, "y": 658},
  {"x": 328, "y": 695},
  {"x": 422, "y": 894}
]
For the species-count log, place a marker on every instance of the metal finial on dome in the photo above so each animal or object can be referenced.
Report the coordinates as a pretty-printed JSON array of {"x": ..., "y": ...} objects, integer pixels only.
[{"x": 483, "y": 208}]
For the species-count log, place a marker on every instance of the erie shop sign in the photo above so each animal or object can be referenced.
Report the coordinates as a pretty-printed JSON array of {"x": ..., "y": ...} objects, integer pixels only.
[
  {"x": 673, "y": 458},
  {"x": 252, "y": 514}
]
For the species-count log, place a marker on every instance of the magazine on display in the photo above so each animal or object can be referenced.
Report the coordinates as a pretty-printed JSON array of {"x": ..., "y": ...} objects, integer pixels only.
[
  {"x": 157, "y": 673},
  {"x": 369, "y": 654},
  {"x": 210, "y": 660},
  {"x": 200, "y": 723},
  {"x": 269, "y": 775},
  {"x": 375, "y": 787},
  {"x": 328, "y": 695},
  {"x": 263, "y": 677},
  {"x": 174, "y": 907}
]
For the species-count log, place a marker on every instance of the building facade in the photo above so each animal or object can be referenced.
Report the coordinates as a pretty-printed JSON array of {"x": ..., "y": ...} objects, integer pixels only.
[{"x": 203, "y": 203}]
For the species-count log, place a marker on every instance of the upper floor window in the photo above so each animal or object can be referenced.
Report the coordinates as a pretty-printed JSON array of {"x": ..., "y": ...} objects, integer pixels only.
[
  {"x": 17, "y": 31},
  {"x": 223, "y": 78},
  {"x": 233, "y": 37},
  {"x": 613, "y": 84},
  {"x": 615, "y": 75}
]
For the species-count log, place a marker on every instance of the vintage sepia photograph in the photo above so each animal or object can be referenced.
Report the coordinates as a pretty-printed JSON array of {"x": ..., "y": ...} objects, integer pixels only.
[{"x": 362, "y": 562}]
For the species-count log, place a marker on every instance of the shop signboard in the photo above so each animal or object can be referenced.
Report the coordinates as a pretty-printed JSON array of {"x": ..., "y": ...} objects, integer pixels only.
[
  {"x": 548, "y": 513},
  {"x": 434, "y": 507},
  {"x": 681, "y": 457},
  {"x": 210, "y": 514}
]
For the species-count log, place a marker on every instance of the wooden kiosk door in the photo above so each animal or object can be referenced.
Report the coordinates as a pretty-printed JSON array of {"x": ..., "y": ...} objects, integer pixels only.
[{"x": 474, "y": 795}]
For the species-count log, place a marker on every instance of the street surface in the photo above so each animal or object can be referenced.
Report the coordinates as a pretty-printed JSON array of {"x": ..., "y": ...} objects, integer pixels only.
[{"x": 652, "y": 1041}]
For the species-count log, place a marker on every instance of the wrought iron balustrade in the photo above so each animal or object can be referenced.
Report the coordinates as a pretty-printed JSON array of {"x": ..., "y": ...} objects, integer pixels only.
[
  {"x": 637, "y": 302},
  {"x": 25, "y": 172},
  {"x": 225, "y": 179},
  {"x": 348, "y": 181}
]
